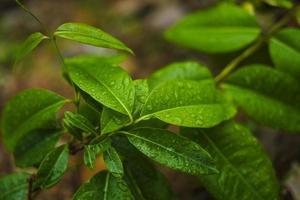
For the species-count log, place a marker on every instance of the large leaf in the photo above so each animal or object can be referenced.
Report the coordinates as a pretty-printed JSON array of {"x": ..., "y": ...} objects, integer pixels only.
[
  {"x": 89, "y": 35},
  {"x": 187, "y": 103},
  {"x": 14, "y": 186},
  {"x": 106, "y": 83},
  {"x": 30, "y": 43},
  {"x": 113, "y": 162},
  {"x": 112, "y": 120},
  {"x": 32, "y": 148},
  {"x": 269, "y": 96},
  {"x": 246, "y": 172},
  {"x": 285, "y": 51},
  {"x": 179, "y": 71},
  {"x": 30, "y": 110},
  {"x": 215, "y": 30},
  {"x": 144, "y": 181},
  {"x": 52, "y": 167},
  {"x": 104, "y": 186},
  {"x": 172, "y": 150}
]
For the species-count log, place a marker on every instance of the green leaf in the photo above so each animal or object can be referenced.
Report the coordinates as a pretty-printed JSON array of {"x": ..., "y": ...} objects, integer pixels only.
[
  {"x": 113, "y": 162},
  {"x": 172, "y": 150},
  {"x": 179, "y": 71},
  {"x": 14, "y": 186},
  {"x": 89, "y": 35},
  {"x": 187, "y": 103},
  {"x": 52, "y": 167},
  {"x": 106, "y": 83},
  {"x": 29, "y": 110},
  {"x": 285, "y": 51},
  {"x": 30, "y": 43},
  {"x": 246, "y": 172},
  {"x": 79, "y": 121},
  {"x": 97, "y": 146},
  {"x": 104, "y": 186},
  {"x": 90, "y": 113},
  {"x": 112, "y": 120},
  {"x": 141, "y": 95},
  {"x": 269, "y": 96},
  {"x": 280, "y": 3},
  {"x": 32, "y": 148},
  {"x": 215, "y": 30},
  {"x": 144, "y": 181}
]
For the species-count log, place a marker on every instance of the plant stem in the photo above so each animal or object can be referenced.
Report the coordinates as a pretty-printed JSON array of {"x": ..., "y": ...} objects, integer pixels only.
[{"x": 255, "y": 46}]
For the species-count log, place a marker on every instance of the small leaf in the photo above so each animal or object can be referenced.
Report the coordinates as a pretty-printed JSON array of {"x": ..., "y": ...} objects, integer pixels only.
[
  {"x": 30, "y": 43},
  {"x": 269, "y": 96},
  {"x": 14, "y": 186},
  {"x": 187, "y": 103},
  {"x": 29, "y": 110},
  {"x": 107, "y": 83},
  {"x": 32, "y": 148},
  {"x": 246, "y": 172},
  {"x": 179, "y": 71},
  {"x": 89, "y": 35},
  {"x": 112, "y": 120},
  {"x": 97, "y": 146},
  {"x": 80, "y": 122},
  {"x": 215, "y": 30},
  {"x": 90, "y": 113},
  {"x": 285, "y": 51},
  {"x": 52, "y": 167},
  {"x": 113, "y": 162},
  {"x": 104, "y": 186},
  {"x": 172, "y": 150}
]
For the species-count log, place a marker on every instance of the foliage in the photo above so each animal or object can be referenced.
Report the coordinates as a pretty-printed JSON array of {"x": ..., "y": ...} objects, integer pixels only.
[{"x": 129, "y": 120}]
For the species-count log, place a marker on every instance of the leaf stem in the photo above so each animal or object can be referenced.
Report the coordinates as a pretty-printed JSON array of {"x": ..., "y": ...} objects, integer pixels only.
[{"x": 255, "y": 46}]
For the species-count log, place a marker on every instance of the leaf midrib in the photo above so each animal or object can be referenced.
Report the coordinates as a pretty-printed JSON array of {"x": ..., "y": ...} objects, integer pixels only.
[
  {"x": 239, "y": 29},
  {"x": 212, "y": 144},
  {"x": 176, "y": 153},
  {"x": 109, "y": 90}
]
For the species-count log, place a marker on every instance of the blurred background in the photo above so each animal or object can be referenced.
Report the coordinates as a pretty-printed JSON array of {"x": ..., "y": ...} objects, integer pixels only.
[{"x": 140, "y": 24}]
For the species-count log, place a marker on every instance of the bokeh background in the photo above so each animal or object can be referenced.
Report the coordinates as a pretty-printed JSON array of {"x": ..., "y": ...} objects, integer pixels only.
[{"x": 140, "y": 24}]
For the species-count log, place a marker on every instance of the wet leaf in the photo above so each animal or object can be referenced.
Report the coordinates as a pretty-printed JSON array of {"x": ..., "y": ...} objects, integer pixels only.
[
  {"x": 285, "y": 51},
  {"x": 29, "y": 110},
  {"x": 246, "y": 172},
  {"x": 269, "y": 96},
  {"x": 30, "y": 44},
  {"x": 187, "y": 103},
  {"x": 112, "y": 120},
  {"x": 14, "y": 186},
  {"x": 179, "y": 71},
  {"x": 141, "y": 95},
  {"x": 104, "y": 186},
  {"x": 89, "y": 35},
  {"x": 172, "y": 150},
  {"x": 52, "y": 167},
  {"x": 216, "y": 29},
  {"x": 107, "y": 83},
  {"x": 113, "y": 162},
  {"x": 32, "y": 148}
]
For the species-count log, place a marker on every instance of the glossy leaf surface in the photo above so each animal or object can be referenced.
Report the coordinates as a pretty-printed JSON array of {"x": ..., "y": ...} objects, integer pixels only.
[
  {"x": 269, "y": 96},
  {"x": 104, "y": 186},
  {"x": 112, "y": 120},
  {"x": 29, "y": 110},
  {"x": 113, "y": 162},
  {"x": 172, "y": 150},
  {"x": 52, "y": 167},
  {"x": 179, "y": 71},
  {"x": 90, "y": 35},
  {"x": 215, "y": 30},
  {"x": 246, "y": 172},
  {"x": 106, "y": 83},
  {"x": 187, "y": 103}
]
